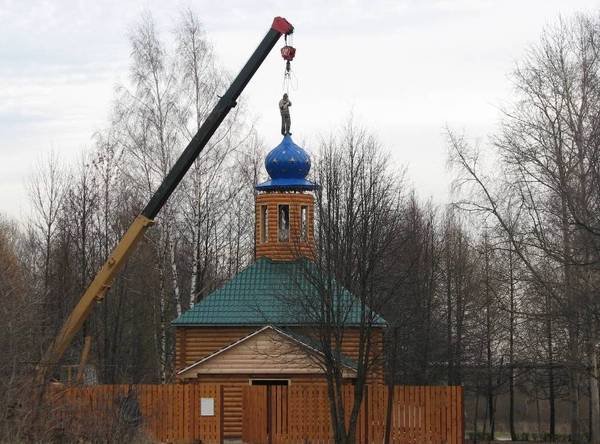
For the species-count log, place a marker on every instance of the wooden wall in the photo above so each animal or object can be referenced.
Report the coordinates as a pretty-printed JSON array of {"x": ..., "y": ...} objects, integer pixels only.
[
  {"x": 350, "y": 349},
  {"x": 195, "y": 343},
  {"x": 233, "y": 386},
  {"x": 268, "y": 352},
  {"x": 295, "y": 247}
]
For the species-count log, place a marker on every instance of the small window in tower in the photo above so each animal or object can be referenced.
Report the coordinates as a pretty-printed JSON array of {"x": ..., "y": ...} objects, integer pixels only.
[
  {"x": 303, "y": 222},
  {"x": 264, "y": 223},
  {"x": 284, "y": 223}
]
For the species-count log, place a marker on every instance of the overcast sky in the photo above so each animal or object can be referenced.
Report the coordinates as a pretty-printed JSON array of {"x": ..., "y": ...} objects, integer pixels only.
[{"x": 405, "y": 69}]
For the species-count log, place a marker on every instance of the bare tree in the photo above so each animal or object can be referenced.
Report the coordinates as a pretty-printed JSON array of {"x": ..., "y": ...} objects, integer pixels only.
[
  {"x": 415, "y": 311},
  {"x": 148, "y": 117},
  {"x": 18, "y": 335},
  {"x": 211, "y": 205},
  {"x": 357, "y": 210},
  {"x": 46, "y": 190}
]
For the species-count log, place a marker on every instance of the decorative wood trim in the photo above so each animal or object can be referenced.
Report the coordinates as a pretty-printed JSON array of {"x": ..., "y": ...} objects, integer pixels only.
[
  {"x": 289, "y": 337},
  {"x": 224, "y": 349}
]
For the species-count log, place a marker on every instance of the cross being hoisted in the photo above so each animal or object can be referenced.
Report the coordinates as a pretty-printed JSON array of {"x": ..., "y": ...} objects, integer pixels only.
[
  {"x": 103, "y": 279},
  {"x": 287, "y": 52}
]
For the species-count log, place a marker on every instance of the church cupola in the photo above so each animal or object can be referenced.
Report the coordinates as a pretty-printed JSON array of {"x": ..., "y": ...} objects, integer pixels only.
[{"x": 285, "y": 206}]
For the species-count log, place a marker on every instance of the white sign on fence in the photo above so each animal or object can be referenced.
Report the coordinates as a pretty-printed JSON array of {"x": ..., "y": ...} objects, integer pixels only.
[{"x": 207, "y": 406}]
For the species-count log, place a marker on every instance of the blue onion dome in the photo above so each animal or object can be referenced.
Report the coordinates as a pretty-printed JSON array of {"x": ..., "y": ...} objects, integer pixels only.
[{"x": 287, "y": 165}]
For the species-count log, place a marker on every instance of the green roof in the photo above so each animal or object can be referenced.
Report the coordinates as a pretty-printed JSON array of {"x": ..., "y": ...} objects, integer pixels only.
[{"x": 268, "y": 292}]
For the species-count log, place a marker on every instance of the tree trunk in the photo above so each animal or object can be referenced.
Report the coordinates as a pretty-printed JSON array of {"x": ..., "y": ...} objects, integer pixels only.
[
  {"x": 552, "y": 403},
  {"x": 390, "y": 390},
  {"x": 537, "y": 405},
  {"x": 488, "y": 334},
  {"x": 594, "y": 397},
  {"x": 511, "y": 371},
  {"x": 574, "y": 405},
  {"x": 162, "y": 311},
  {"x": 551, "y": 388},
  {"x": 449, "y": 345},
  {"x": 174, "y": 275},
  {"x": 195, "y": 278},
  {"x": 476, "y": 415}
]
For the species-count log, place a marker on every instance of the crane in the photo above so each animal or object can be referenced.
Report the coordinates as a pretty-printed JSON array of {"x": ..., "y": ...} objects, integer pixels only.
[{"x": 115, "y": 261}]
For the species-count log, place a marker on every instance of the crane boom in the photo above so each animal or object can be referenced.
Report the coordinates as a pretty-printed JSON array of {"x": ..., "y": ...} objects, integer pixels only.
[{"x": 103, "y": 279}]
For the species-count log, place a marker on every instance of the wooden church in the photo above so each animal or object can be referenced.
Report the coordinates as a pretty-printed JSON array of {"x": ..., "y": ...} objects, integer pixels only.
[{"x": 250, "y": 331}]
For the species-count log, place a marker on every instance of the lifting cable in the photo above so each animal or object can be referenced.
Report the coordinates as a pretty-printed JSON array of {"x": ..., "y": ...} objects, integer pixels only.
[{"x": 288, "y": 52}]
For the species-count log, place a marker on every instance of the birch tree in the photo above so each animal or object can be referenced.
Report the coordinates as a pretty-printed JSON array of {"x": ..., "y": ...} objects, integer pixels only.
[
  {"x": 147, "y": 117},
  {"x": 46, "y": 191},
  {"x": 213, "y": 196}
]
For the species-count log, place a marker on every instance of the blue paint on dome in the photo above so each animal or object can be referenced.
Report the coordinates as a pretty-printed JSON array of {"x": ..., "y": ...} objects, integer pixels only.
[{"x": 287, "y": 165}]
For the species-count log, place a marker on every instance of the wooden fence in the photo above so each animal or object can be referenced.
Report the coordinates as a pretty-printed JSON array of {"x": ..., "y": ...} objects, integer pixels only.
[
  {"x": 300, "y": 413},
  {"x": 271, "y": 414},
  {"x": 168, "y": 413}
]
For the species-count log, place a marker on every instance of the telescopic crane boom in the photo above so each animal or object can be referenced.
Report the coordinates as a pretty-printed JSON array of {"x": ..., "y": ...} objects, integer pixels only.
[{"x": 102, "y": 281}]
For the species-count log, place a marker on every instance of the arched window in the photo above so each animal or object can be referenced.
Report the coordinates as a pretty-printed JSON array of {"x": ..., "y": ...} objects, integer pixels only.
[
  {"x": 303, "y": 223},
  {"x": 264, "y": 223},
  {"x": 284, "y": 223}
]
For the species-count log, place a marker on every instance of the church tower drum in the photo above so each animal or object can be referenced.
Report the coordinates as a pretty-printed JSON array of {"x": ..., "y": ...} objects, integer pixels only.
[{"x": 285, "y": 205}]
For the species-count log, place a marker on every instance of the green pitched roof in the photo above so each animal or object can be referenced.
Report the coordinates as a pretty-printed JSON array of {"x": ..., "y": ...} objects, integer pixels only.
[{"x": 268, "y": 292}]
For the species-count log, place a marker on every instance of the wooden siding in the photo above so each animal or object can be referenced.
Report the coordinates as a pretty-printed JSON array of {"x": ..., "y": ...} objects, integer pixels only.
[
  {"x": 232, "y": 395},
  {"x": 232, "y": 403},
  {"x": 350, "y": 349},
  {"x": 295, "y": 247},
  {"x": 352, "y": 338},
  {"x": 195, "y": 343},
  {"x": 267, "y": 352},
  {"x": 233, "y": 386}
]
